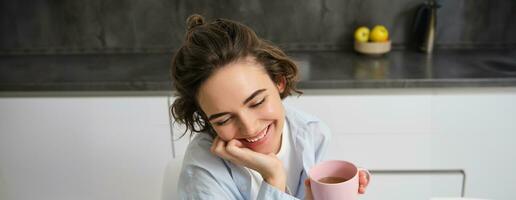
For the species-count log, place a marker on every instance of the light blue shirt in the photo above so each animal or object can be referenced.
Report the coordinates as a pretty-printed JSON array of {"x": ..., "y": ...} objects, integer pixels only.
[{"x": 207, "y": 176}]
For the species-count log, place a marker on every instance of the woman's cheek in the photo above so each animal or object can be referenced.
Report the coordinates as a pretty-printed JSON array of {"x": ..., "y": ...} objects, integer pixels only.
[
  {"x": 226, "y": 133},
  {"x": 272, "y": 108},
  {"x": 269, "y": 107}
]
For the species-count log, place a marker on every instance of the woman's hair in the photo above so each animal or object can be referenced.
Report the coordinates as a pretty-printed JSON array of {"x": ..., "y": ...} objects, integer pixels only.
[{"x": 210, "y": 46}]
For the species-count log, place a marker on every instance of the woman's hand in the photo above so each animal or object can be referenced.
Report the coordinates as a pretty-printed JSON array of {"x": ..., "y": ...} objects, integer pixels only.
[
  {"x": 269, "y": 166},
  {"x": 363, "y": 180},
  {"x": 308, "y": 190}
]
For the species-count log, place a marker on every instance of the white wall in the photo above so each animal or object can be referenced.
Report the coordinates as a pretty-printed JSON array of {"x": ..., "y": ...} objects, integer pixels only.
[{"x": 117, "y": 147}]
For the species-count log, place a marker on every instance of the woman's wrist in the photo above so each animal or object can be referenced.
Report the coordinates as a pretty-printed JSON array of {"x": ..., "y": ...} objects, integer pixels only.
[
  {"x": 276, "y": 177},
  {"x": 278, "y": 181}
]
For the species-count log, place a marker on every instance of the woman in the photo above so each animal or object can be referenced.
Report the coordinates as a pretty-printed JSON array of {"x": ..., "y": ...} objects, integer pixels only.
[{"x": 230, "y": 85}]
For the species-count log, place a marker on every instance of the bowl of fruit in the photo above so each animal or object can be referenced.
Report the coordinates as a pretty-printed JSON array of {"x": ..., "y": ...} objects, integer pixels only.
[{"x": 372, "y": 42}]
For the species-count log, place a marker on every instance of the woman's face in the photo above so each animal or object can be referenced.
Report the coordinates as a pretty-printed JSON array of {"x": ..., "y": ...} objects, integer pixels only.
[{"x": 243, "y": 103}]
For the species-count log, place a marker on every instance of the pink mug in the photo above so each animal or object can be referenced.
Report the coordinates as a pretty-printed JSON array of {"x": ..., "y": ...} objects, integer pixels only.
[{"x": 334, "y": 179}]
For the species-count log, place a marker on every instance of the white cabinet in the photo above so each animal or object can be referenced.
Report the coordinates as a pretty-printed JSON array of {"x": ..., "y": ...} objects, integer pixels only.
[
  {"x": 118, "y": 147},
  {"x": 414, "y": 186},
  {"x": 83, "y": 147},
  {"x": 403, "y": 129},
  {"x": 422, "y": 129}
]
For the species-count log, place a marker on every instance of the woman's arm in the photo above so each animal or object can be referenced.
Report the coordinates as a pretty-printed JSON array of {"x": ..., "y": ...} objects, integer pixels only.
[
  {"x": 198, "y": 183},
  {"x": 269, "y": 166}
]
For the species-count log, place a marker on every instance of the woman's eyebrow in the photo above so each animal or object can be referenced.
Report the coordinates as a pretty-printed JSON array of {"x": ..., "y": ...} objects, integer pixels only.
[
  {"x": 217, "y": 115},
  {"x": 255, "y": 93}
]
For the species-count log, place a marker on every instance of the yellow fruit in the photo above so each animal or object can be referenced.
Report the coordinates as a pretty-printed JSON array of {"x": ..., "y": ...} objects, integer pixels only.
[
  {"x": 379, "y": 34},
  {"x": 362, "y": 34}
]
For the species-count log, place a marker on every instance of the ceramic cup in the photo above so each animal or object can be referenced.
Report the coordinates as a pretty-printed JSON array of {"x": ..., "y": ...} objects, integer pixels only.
[{"x": 334, "y": 179}]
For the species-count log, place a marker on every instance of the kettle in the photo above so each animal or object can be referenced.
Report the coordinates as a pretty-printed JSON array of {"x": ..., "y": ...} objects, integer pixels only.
[{"x": 425, "y": 25}]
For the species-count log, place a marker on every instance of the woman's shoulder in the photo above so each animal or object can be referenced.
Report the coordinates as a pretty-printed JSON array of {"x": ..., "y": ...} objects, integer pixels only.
[
  {"x": 300, "y": 119},
  {"x": 304, "y": 124},
  {"x": 298, "y": 115},
  {"x": 199, "y": 160},
  {"x": 204, "y": 175},
  {"x": 310, "y": 133}
]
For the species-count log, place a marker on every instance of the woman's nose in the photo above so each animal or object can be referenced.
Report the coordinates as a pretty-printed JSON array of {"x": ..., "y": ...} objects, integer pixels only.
[{"x": 247, "y": 126}]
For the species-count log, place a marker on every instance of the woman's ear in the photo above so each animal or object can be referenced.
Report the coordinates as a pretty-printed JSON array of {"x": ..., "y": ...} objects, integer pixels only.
[{"x": 281, "y": 82}]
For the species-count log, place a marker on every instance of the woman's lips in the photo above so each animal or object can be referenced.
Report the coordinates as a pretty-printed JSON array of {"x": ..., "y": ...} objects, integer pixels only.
[
  {"x": 260, "y": 136},
  {"x": 258, "y": 140}
]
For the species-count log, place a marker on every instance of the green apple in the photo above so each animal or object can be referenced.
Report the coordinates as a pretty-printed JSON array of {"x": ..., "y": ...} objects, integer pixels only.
[
  {"x": 362, "y": 34},
  {"x": 379, "y": 34}
]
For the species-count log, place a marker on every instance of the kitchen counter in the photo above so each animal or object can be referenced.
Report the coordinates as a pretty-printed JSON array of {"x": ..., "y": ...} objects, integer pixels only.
[
  {"x": 318, "y": 70},
  {"x": 406, "y": 69}
]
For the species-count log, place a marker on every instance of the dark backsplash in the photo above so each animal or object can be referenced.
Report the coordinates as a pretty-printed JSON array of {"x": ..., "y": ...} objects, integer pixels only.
[{"x": 157, "y": 26}]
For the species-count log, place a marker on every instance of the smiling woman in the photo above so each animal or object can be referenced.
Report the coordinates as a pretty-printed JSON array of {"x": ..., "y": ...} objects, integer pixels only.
[{"x": 230, "y": 85}]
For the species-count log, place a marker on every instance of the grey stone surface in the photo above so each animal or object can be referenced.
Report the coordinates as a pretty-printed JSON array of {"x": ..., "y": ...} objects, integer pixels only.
[{"x": 318, "y": 70}]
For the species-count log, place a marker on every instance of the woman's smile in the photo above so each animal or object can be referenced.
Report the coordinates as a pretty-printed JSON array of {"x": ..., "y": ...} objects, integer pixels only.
[{"x": 260, "y": 139}]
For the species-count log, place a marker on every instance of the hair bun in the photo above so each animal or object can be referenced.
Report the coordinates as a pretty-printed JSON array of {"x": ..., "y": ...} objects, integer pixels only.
[{"x": 193, "y": 21}]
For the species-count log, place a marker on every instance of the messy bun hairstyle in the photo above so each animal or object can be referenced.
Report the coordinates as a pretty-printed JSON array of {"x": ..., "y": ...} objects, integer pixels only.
[{"x": 210, "y": 46}]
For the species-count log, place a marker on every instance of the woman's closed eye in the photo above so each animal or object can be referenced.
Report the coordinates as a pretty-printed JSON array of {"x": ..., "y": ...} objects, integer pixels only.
[
  {"x": 259, "y": 103},
  {"x": 222, "y": 122}
]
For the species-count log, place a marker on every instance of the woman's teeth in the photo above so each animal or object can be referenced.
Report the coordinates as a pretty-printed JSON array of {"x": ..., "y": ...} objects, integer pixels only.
[{"x": 259, "y": 137}]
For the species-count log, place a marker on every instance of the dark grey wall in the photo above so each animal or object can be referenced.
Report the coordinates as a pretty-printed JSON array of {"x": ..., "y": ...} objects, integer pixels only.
[{"x": 147, "y": 26}]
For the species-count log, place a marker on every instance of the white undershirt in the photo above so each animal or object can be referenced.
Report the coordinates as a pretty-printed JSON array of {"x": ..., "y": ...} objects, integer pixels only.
[{"x": 286, "y": 156}]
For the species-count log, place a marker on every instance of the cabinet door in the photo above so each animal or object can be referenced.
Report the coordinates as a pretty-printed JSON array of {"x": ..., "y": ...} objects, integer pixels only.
[
  {"x": 397, "y": 185},
  {"x": 425, "y": 129},
  {"x": 375, "y": 130},
  {"x": 469, "y": 129},
  {"x": 83, "y": 147}
]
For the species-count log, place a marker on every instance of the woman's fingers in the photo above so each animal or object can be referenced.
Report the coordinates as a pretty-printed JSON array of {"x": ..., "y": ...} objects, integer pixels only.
[
  {"x": 362, "y": 179},
  {"x": 219, "y": 148},
  {"x": 214, "y": 145},
  {"x": 269, "y": 166},
  {"x": 236, "y": 147},
  {"x": 237, "y": 143},
  {"x": 361, "y": 190},
  {"x": 235, "y": 152},
  {"x": 308, "y": 190},
  {"x": 252, "y": 159}
]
